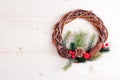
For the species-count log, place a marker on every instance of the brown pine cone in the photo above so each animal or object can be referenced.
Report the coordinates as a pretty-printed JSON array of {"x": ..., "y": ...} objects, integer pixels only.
[
  {"x": 96, "y": 48},
  {"x": 79, "y": 52}
]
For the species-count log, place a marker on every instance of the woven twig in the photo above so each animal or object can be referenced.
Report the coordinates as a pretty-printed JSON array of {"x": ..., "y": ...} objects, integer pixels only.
[{"x": 87, "y": 15}]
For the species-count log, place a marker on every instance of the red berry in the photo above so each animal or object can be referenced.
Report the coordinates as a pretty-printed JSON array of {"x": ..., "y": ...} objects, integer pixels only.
[
  {"x": 86, "y": 55},
  {"x": 103, "y": 46},
  {"x": 106, "y": 44},
  {"x": 73, "y": 53},
  {"x": 70, "y": 52},
  {"x": 73, "y": 56}
]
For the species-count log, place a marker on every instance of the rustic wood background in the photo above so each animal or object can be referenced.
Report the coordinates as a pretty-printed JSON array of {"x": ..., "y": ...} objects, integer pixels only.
[{"x": 26, "y": 51}]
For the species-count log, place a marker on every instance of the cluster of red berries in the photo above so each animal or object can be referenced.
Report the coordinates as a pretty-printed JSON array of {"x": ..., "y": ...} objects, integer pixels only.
[
  {"x": 86, "y": 55},
  {"x": 72, "y": 54}
]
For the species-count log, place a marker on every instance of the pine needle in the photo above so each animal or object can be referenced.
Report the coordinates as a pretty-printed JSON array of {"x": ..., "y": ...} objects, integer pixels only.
[
  {"x": 79, "y": 39},
  {"x": 66, "y": 36},
  {"x": 92, "y": 39},
  {"x": 68, "y": 65}
]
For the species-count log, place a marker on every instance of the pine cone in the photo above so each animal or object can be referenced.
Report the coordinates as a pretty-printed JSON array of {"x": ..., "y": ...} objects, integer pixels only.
[{"x": 79, "y": 52}]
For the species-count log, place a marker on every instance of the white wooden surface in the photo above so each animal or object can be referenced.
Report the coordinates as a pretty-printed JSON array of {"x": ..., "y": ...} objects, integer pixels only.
[{"x": 26, "y": 51}]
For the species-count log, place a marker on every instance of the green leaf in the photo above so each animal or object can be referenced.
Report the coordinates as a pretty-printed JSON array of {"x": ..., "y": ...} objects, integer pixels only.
[
  {"x": 72, "y": 46},
  {"x": 79, "y": 39},
  {"x": 105, "y": 50},
  {"x": 68, "y": 65},
  {"x": 92, "y": 39},
  {"x": 81, "y": 59}
]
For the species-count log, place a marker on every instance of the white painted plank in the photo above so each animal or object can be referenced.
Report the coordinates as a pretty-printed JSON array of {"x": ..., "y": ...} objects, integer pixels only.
[{"x": 26, "y": 51}]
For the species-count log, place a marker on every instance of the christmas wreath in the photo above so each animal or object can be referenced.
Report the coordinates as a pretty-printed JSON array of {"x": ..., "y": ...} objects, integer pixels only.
[{"x": 77, "y": 53}]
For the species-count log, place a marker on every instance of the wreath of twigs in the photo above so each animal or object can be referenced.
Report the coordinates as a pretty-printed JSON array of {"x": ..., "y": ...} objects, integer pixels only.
[{"x": 68, "y": 17}]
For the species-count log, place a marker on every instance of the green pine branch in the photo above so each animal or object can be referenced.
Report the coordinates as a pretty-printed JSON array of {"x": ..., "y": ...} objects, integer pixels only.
[
  {"x": 66, "y": 36},
  {"x": 92, "y": 39},
  {"x": 79, "y": 39},
  {"x": 68, "y": 65}
]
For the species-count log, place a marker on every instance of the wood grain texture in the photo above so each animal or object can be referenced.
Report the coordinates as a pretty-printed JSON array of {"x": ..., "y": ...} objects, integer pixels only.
[{"x": 26, "y": 49}]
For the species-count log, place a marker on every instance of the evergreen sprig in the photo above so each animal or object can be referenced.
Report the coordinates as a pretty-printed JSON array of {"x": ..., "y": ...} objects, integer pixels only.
[
  {"x": 92, "y": 39},
  {"x": 66, "y": 36},
  {"x": 68, "y": 65},
  {"x": 80, "y": 38}
]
